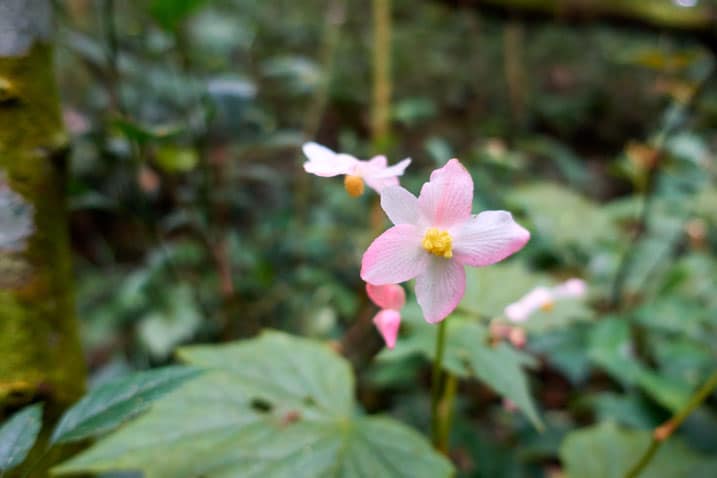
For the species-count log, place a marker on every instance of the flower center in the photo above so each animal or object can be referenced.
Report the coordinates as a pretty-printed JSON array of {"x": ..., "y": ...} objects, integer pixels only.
[
  {"x": 548, "y": 306},
  {"x": 438, "y": 242},
  {"x": 353, "y": 185}
]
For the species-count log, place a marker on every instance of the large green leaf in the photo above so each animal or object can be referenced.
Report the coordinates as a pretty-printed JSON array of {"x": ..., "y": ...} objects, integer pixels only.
[
  {"x": 607, "y": 451},
  {"x": 112, "y": 403},
  {"x": 468, "y": 354},
  {"x": 276, "y": 406},
  {"x": 18, "y": 434}
]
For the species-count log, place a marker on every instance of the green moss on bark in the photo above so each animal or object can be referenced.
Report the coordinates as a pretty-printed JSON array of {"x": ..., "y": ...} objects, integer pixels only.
[{"x": 40, "y": 353}]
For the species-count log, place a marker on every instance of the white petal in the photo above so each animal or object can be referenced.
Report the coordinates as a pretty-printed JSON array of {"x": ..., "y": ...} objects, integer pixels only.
[
  {"x": 378, "y": 176},
  {"x": 324, "y": 162},
  {"x": 400, "y": 206},
  {"x": 396, "y": 170}
]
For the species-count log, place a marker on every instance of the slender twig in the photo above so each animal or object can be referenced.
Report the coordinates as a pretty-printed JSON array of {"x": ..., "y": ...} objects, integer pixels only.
[
  {"x": 664, "y": 431},
  {"x": 380, "y": 114},
  {"x": 110, "y": 29},
  {"x": 436, "y": 382}
]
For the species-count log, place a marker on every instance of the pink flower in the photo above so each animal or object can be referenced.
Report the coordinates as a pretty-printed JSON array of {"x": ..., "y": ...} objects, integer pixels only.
[
  {"x": 544, "y": 298},
  {"x": 375, "y": 172},
  {"x": 391, "y": 298},
  {"x": 435, "y": 236}
]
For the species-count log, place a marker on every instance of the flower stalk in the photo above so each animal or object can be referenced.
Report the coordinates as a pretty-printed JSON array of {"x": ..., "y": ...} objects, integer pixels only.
[{"x": 437, "y": 384}]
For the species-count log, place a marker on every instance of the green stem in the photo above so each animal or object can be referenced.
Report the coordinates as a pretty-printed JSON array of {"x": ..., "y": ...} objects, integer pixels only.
[
  {"x": 663, "y": 432},
  {"x": 436, "y": 380},
  {"x": 445, "y": 412}
]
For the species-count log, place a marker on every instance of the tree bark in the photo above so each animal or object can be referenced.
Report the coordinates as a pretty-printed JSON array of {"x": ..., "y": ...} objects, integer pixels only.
[{"x": 40, "y": 354}]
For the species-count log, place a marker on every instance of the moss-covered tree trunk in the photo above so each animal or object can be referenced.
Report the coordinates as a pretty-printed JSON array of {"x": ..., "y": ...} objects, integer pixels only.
[{"x": 40, "y": 354}]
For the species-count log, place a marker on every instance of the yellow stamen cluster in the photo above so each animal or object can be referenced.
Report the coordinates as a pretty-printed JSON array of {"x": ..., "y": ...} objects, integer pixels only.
[
  {"x": 438, "y": 242},
  {"x": 353, "y": 185}
]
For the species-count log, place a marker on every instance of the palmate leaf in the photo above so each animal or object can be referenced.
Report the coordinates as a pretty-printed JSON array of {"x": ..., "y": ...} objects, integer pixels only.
[
  {"x": 110, "y": 404},
  {"x": 18, "y": 434},
  {"x": 275, "y": 406},
  {"x": 468, "y": 354}
]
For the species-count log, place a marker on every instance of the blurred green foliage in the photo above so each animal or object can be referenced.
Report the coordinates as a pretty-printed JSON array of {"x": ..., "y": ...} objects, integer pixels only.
[{"x": 193, "y": 220}]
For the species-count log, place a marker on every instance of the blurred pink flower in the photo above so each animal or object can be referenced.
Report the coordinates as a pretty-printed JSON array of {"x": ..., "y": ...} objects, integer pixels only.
[
  {"x": 76, "y": 122},
  {"x": 391, "y": 298},
  {"x": 544, "y": 298},
  {"x": 375, "y": 172},
  {"x": 435, "y": 236}
]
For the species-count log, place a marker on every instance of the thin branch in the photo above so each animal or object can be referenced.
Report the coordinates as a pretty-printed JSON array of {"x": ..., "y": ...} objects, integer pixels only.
[{"x": 664, "y": 431}]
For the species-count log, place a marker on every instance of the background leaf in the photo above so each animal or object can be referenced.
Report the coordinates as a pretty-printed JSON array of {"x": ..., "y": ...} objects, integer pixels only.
[
  {"x": 562, "y": 215},
  {"x": 170, "y": 13},
  {"x": 18, "y": 434}
]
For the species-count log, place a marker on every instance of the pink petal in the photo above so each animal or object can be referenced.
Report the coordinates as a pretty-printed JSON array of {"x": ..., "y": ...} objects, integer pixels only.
[
  {"x": 400, "y": 206},
  {"x": 448, "y": 197},
  {"x": 571, "y": 288},
  {"x": 487, "y": 238},
  {"x": 440, "y": 288},
  {"x": 388, "y": 296},
  {"x": 395, "y": 256},
  {"x": 388, "y": 322},
  {"x": 326, "y": 163}
]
